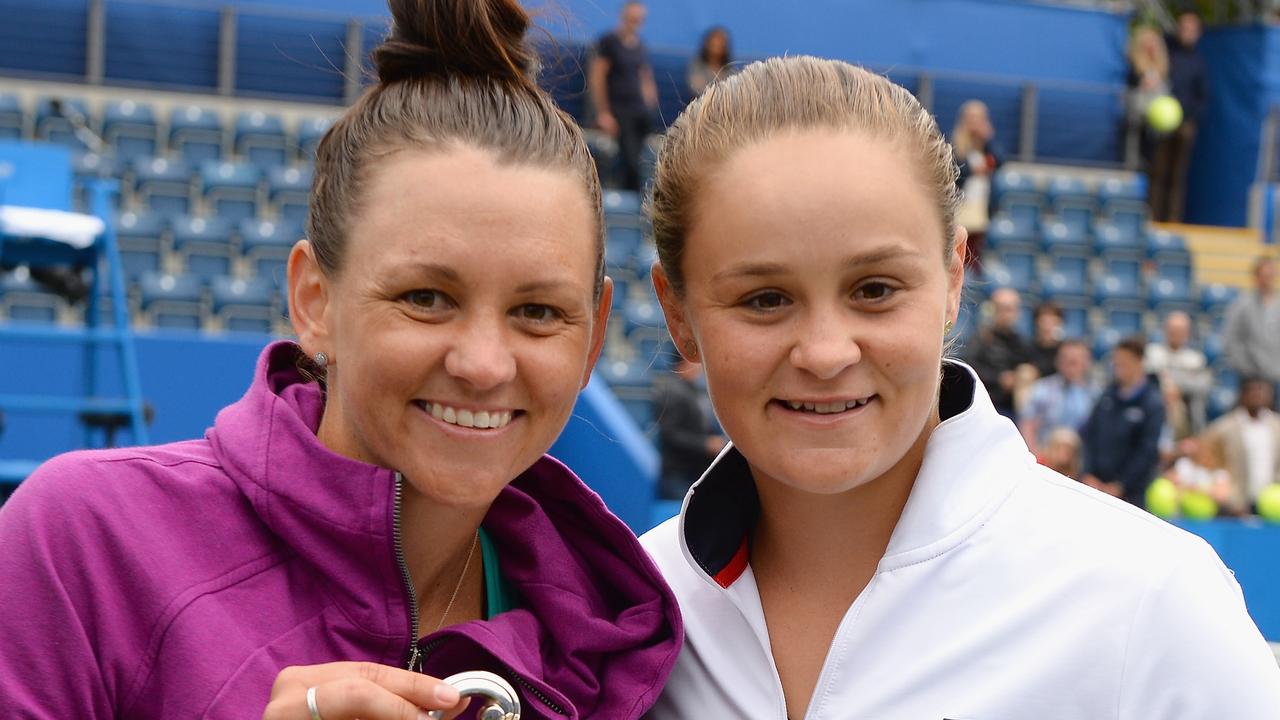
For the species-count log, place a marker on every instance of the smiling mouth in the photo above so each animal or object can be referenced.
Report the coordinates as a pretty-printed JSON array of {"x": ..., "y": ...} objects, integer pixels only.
[
  {"x": 826, "y": 408},
  {"x": 462, "y": 417}
]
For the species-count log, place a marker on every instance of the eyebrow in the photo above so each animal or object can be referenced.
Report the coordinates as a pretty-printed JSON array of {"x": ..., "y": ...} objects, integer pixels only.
[
  {"x": 444, "y": 272},
  {"x": 767, "y": 269}
]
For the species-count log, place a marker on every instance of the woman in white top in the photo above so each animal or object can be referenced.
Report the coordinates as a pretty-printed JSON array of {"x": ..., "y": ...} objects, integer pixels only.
[{"x": 878, "y": 542}]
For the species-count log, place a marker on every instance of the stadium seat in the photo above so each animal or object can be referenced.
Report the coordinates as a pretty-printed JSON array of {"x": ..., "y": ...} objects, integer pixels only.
[
  {"x": 631, "y": 383},
  {"x": 1069, "y": 286},
  {"x": 1123, "y": 266},
  {"x": 260, "y": 139},
  {"x": 1110, "y": 238},
  {"x": 1104, "y": 340},
  {"x": 1213, "y": 348},
  {"x": 1216, "y": 298},
  {"x": 12, "y": 117},
  {"x": 1070, "y": 199},
  {"x": 1222, "y": 400},
  {"x": 141, "y": 240},
  {"x": 266, "y": 245},
  {"x": 288, "y": 190},
  {"x": 163, "y": 185},
  {"x": 1176, "y": 270},
  {"x": 653, "y": 348},
  {"x": 196, "y": 134},
  {"x": 644, "y": 314},
  {"x": 1004, "y": 233},
  {"x": 1072, "y": 272},
  {"x": 1019, "y": 269},
  {"x": 172, "y": 301},
  {"x": 230, "y": 189},
  {"x": 204, "y": 245},
  {"x": 1167, "y": 295},
  {"x": 53, "y": 121},
  {"x": 622, "y": 204},
  {"x": 1162, "y": 244},
  {"x": 26, "y": 301},
  {"x": 130, "y": 129},
  {"x": 1117, "y": 287},
  {"x": 243, "y": 305},
  {"x": 310, "y": 131},
  {"x": 1018, "y": 198},
  {"x": 1124, "y": 204},
  {"x": 1060, "y": 238},
  {"x": 87, "y": 166}
]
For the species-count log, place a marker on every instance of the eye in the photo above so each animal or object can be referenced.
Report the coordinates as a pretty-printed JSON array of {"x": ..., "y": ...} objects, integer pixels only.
[
  {"x": 427, "y": 300},
  {"x": 538, "y": 314},
  {"x": 767, "y": 301},
  {"x": 873, "y": 292}
]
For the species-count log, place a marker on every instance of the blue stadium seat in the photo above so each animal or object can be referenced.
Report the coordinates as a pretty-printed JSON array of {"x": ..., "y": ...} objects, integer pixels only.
[
  {"x": 618, "y": 258},
  {"x": 1162, "y": 244},
  {"x": 260, "y": 139},
  {"x": 1167, "y": 295},
  {"x": 1213, "y": 348},
  {"x": 1174, "y": 269},
  {"x": 653, "y": 348},
  {"x": 1072, "y": 271},
  {"x": 1004, "y": 233},
  {"x": 231, "y": 189},
  {"x": 205, "y": 246},
  {"x": 53, "y": 123},
  {"x": 1104, "y": 340},
  {"x": 24, "y": 300},
  {"x": 164, "y": 185},
  {"x": 310, "y": 131},
  {"x": 639, "y": 315},
  {"x": 141, "y": 240},
  {"x": 622, "y": 204},
  {"x": 196, "y": 134},
  {"x": 266, "y": 244},
  {"x": 12, "y": 117},
  {"x": 1059, "y": 287},
  {"x": 631, "y": 382},
  {"x": 1020, "y": 271},
  {"x": 1059, "y": 238},
  {"x": 1018, "y": 198},
  {"x": 1124, "y": 267},
  {"x": 1073, "y": 203},
  {"x": 1124, "y": 203},
  {"x": 1114, "y": 287},
  {"x": 244, "y": 305},
  {"x": 172, "y": 301},
  {"x": 1222, "y": 400},
  {"x": 85, "y": 167},
  {"x": 288, "y": 190},
  {"x": 1111, "y": 238},
  {"x": 130, "y": 129},
  {"x": 1216, "y": 298}
]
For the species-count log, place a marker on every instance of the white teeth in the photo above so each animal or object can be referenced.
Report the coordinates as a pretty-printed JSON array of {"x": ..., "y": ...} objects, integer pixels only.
[
  {"x": 827, "y": 408},
  {"x": 795, "y": 405},
  {"x": 482, "y": 419},
  {"x": 810, "y": 407}
]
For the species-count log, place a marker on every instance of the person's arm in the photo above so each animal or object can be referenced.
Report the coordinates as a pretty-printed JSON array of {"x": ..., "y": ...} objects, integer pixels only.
[
  {"x": 1192, "y": 650},
  {"x": 598, "y": 77},
  {"x": 1142, "y": 460},
  {"x": 649, "y": 87}
]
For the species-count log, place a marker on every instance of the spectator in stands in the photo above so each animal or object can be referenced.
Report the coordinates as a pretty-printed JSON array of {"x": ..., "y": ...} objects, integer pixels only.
[
  {"x": 1000, "y": 349},
  {"x": 623, "y": 89},
  {"x": 1250, "y": 441},
  {"x": 1251, "y": 336},
  {"x": 1062, "y": 452},
  {"x": 1047, "y": 323},
  {"x": 686, "y": 433},
  {"x": 1200, "y": 469},
  {"x": 713, "y": 61},
  {"x": 978, "y": 156},
  {"x": 1122, "y": 435},
  {"x": 1189, "y": 85},
  {"x": 1182, "y": 366},
  {"x": 804, "y": 216},
  {"x": 1061, "y": 400},
  {"x": 1148, "y": 79},
  {"x": 450, "y": 296}
]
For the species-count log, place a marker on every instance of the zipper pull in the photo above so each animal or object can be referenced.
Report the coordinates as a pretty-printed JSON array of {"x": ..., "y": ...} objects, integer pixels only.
[{"x": 415, "y": 658}]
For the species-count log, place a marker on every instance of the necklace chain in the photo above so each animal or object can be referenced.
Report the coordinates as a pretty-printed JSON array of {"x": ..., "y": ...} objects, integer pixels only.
[{"x": 466, "y": 566}]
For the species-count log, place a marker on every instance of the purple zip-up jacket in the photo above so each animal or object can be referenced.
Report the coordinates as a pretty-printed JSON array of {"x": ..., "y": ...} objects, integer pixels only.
[{"x": 176, "y": 581}]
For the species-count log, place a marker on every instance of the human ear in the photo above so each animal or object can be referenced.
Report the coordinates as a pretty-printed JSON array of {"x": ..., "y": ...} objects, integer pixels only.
[
  {"x": 673, "y": 309},
  {"x": 599, "y": 324},
  {"x": 309, "y": 300}
]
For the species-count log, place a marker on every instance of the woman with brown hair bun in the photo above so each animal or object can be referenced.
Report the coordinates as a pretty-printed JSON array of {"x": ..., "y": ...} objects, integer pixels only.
[{"x": 377, "y": 511}]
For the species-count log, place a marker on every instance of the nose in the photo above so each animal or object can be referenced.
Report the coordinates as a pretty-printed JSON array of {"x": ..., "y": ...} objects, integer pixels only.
[
  {"x": 827, "y": 344},
  {"x": 481, "y": 355}
]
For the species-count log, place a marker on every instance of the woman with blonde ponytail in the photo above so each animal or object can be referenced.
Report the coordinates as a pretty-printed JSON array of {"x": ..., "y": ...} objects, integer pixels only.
[{"x": 377, "y": 512}]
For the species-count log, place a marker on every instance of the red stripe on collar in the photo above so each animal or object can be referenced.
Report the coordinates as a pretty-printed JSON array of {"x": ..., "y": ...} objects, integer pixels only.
[{"x": 730, "y": 573}]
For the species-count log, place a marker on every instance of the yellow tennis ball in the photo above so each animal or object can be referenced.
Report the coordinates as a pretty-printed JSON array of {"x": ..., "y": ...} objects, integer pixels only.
[
  {"x": 1162, "y": 498},
  {"x": 1269, "y": 503},
  {"x": 1198, "y": 506},
  {"x": 1164, "y": 114}
]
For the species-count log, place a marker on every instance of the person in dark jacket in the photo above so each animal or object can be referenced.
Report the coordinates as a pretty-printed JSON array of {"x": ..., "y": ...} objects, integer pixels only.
[
  {"x": 686, "y": 434},
  {"x": 1000, "y": 349},
  {"x": 1189, "y": 84},
  {"x": 1122, "y": 435},
  {"x": 1048, "y": 338}
]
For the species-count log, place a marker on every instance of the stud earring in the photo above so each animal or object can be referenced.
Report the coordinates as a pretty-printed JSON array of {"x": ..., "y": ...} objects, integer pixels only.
[
  {"x": 691, "y": 349},
  {"x": 321, "y": 360},
  {"x": 946, "y": 329}
]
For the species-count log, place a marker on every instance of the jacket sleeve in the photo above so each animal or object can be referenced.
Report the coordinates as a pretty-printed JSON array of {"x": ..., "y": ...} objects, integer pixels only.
[
  {"x": 49, "y": 666},
  {"x": 1234, "y": 340},
  {"x": 1142, "y": 461},
  {"x": 1086, "y": 439},
  {"x": 1193, "y": 652}
]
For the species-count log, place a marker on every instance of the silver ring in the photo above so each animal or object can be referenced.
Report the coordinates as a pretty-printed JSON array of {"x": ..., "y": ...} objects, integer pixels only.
[{"x": 311, "y": 704}]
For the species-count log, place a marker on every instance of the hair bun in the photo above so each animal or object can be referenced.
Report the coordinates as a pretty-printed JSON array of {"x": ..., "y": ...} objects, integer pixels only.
[{"x": 442, "y": 38}]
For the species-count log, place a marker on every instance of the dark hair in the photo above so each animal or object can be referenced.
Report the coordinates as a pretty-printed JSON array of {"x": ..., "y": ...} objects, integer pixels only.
[
  {"x": 449, "y": 71},
  {"x": 1050, "y": 307},
  {"x": 1249, "y": 381},
  {"x": 706, "y": 39},
  {"x": 1135, "y": 345},
  {"x": 1074, "y": 342}
]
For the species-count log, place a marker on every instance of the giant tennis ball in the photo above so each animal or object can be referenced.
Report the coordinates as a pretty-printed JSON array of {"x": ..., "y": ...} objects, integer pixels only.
[
  {"x": 1162, "y": 498},
  {"x": 1269, "y": 503},
  {"x": 1164, "y": 114},
  {"x": 1198, "y": 506}
]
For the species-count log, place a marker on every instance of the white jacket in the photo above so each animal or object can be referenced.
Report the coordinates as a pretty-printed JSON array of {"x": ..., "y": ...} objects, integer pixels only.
[{"x": 1007, "y": 592}]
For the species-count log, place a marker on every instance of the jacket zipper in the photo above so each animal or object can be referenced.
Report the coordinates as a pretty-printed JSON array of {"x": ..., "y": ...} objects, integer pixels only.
[{"x": 415, "y": 655}]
